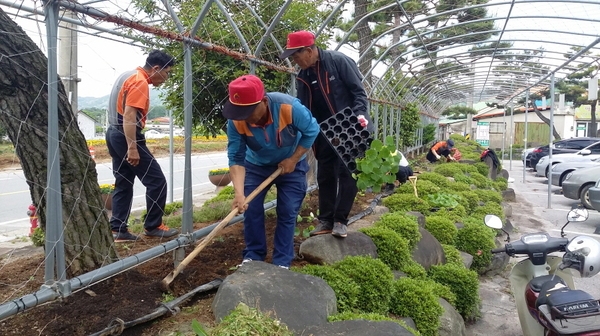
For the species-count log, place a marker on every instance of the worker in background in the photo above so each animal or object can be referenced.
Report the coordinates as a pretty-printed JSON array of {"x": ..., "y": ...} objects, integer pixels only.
[{"x": 439, "y": 149}]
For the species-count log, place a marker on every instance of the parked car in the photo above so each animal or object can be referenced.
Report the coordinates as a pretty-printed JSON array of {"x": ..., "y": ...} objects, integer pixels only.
[
  {"x": 587, "y": 154},
  {"x": 154, "y": 134},
  {"x": 560, "y": 170},
  {"x": 577, "y": 184},
  {"x": 571, "y": 145},
  {"x": 594, "y": 195}
]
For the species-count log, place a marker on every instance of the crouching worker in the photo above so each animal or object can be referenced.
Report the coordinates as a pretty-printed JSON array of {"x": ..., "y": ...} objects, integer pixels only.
[
  {"x": 266, "y": 131},
  {"x": 404, "y": 171},
  {"x": 439, "y": 149}
]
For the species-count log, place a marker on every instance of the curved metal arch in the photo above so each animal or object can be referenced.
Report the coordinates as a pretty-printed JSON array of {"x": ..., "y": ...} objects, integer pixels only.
[{"x": 466, "y": 44}]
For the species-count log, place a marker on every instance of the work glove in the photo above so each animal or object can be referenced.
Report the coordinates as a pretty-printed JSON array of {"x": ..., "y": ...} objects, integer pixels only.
[{"x": 363, "y": 121}]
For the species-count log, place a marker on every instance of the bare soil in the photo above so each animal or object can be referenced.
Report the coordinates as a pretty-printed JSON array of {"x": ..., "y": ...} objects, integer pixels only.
[{"x": 135, "y": 293}]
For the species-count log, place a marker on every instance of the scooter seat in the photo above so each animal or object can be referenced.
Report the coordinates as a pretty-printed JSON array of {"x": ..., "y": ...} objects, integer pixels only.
[
  {"x": 537, "y": 283},
  {"x": 567, "y": 303}
]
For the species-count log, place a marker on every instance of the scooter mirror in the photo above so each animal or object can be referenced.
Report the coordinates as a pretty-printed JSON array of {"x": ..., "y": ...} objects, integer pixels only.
[
  {"x": 578, "y": 215},
  {"x": 493, "y": 221}
]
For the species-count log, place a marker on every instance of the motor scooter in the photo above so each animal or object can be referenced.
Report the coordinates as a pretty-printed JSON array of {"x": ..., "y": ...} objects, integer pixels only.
[{"x": 547, "y": 302}]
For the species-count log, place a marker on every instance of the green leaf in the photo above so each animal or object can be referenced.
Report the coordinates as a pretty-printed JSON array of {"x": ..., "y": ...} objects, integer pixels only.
[
  {"x": 376, "y": 144},
  {"x": 390, "y": 141},
  {"x": 198, "y": 329},
  {"x": 370, "y": 154},
  {"x": 296, "y": 232}
]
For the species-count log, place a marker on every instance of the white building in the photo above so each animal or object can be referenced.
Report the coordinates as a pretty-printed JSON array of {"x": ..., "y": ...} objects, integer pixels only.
[{"x": 87, "y": 125}]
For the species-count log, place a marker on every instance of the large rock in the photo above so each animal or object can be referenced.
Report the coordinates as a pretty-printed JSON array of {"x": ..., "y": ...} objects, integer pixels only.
[
  {"x": 467, "y": 259},
  {"x": 507, "y": 208},
  {"x": 504, "y": 173},
  {"x": 298, "y": 300},
  {"x": 428, "y": 251},
  {"x": 327, "y": 249},
  {"x": 357, "y": 328},
  {"x": 451, "y": 323},
  {"x": 498, "y": 264},
  {"x": 493, "y": 172},
  {"x": 420, "y": 217},
  {"x": 509, "y": 195}
]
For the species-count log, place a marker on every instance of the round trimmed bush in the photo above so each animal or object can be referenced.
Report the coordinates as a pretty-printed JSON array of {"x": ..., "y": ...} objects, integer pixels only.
[
  {"x": 501, "y": 183},
  {"x": 452, "y": 255},
  {"x": 489, "y": 196},
  {"x": 482, "y": 168},
  {"x": 404, "y": 225},
  {"x": 470, "y": 199},
  {"x": 345, "y": 289},
  {"x": 467, "y": 168},
  {"x": 374, "y": 279},
  {"x": 489, "y": 208},
  {"x": 442, "y": 228},
  {"x": 478, "y": 241},
  {"x": 406, "y": 202},
  {"x": 442, "y": 291},
  {"x": 424, "y": 187},
  {"x": 448, "y": 169},
  {"x": 463, "y": 283},
  {"x": 392, "y": 249},
  {"x": 438, "y": 179},
  {"x": 416, "y": 299},
  {"x": 481, "y": 181},
  {"x": 459, "y": 186}
]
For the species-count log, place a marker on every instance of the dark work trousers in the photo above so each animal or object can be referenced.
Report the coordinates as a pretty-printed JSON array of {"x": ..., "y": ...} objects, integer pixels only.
[
  {"x": 432, "y": 158},
  {"x": 148, "y": 171},
  {"x": 291, "y": 190},
  {"x": 403, "y": 174},
  {"x": 337, "y": 188}
]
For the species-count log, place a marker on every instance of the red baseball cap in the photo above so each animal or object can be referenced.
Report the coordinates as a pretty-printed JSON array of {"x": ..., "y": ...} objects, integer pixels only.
[
  {"x": 245, "y": 93},
  {"x": 296, "y": 41}
]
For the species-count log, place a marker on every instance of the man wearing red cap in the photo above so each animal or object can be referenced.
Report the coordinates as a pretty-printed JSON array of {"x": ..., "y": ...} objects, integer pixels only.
[
  {"x": 329, "y": 82},
  {"x": 266, "y": 131}
]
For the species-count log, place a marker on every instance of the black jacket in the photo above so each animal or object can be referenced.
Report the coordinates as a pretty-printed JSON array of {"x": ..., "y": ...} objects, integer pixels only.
[{"x": 340, "y": 80}]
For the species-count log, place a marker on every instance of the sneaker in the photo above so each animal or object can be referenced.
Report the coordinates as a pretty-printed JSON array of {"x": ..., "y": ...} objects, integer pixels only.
[
  {"x": 322, "y": 228},
  {"x": 284, "y": 267},
  {"x": 162, "y": 231},
  {"x": 245, "y": 261},
  {"x": 126, "y": 236},
  {"x": 340, "y": 230}
]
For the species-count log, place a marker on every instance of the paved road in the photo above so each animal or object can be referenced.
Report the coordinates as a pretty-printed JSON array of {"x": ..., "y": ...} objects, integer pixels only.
[{"x": 15, "y": 196}]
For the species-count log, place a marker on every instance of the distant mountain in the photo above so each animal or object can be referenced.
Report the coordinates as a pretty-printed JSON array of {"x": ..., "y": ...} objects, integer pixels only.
[{"x": 102, "y": 102}]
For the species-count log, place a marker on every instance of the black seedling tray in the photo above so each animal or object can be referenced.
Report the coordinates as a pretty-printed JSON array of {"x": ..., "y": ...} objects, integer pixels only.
[{"x": 347, "y": 137}]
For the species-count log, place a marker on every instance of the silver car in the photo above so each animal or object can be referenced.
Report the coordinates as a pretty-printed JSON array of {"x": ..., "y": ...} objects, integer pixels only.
[
  {"x": 559, "y": 171},
  {"x": 588, "y": 153},
  {"x": 594, "y": 195},
  {"x": 576, "y": 184}
]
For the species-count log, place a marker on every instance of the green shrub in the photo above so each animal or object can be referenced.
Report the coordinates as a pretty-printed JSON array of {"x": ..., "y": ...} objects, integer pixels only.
[
  {"x": 424, "y": 188},
  {"x": 489, "y": 196},
  {"x": 481, "y": 181},
  {"x": 442, "y": 200},
  {"x": 346, "y": 290},
  {"x": 392, "y": 249},
  {"x": 470, "y": 199},
  {"x": 478, "y": 241},
  {"x": 438, "y": 179},
  {"x": 370, "y": 317},
  {"x": 244, "y": 320},
  {"x": 406, "y": 202},
  {"x": 452, "y": 255},
  {"x": 415, "y": 298},
  {"x": 442, "y": 291},
  {"x": 459, "y": 186},
  {"x": 500, "y": 184},
  {"x": 482, "y": 168},
  {"x": 38, "y": 238},
  {"x": 414, "y": 270},
  {"x": 374, "y": 279},
  {"x": 212, "y": 212},
  {"x": 442, "y": 228},
  {"x": 404, "y": 225},
  {"x": 489, "y": 208},
  {"x": 448, "y": 169},
  {"x": 462, "y": 178},
  {"x": 463, "y": 283}
]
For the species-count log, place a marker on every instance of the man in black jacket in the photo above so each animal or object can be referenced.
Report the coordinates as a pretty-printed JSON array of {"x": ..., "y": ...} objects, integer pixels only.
[{"x": 329, "y": 82}]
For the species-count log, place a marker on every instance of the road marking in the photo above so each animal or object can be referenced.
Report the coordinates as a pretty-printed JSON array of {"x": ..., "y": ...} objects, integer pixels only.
[{"x": 14, "y": 192}]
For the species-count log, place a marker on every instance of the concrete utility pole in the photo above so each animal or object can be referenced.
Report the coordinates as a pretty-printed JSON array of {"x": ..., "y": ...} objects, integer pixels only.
[{"x": 67, "y": 58}]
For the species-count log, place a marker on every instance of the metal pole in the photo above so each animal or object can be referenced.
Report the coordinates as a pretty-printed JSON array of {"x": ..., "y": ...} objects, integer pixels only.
[
  {"x": 67, "y": 68},
  {"x": 55, "y": 253},
  {"x": 550, "y": 143},
  {"x": 503, "y": 135},
  {"x": 512, "y": 129},
  {"x": 525, "y": 145},
  {"x": 171, "y": 149}
]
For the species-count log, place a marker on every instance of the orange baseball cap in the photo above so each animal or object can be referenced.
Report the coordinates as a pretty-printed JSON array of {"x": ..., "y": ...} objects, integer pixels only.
[
  {"x": 296, "y": 41},
  {"x": 245, "y": 92}
]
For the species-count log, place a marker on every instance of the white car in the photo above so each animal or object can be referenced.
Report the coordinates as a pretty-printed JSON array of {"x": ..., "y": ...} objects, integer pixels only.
[
  {"x": 559, "y": 171},
  {"x": 587, "y": 154},
  {"x": 154, "y": 134}
]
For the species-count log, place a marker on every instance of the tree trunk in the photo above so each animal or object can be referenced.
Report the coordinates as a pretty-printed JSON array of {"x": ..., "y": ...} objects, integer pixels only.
[
  {"x": 593, "y": 122},
  {"x": 24, "y": 112},
  {"x": 546, "y": 120}
]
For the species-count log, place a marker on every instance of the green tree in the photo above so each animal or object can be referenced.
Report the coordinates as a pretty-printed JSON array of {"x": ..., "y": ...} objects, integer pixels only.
[
  {"x": 458, "y": 112},
  {"x": 213, "y": 71},
  {"x": 575, "y": 85}
]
